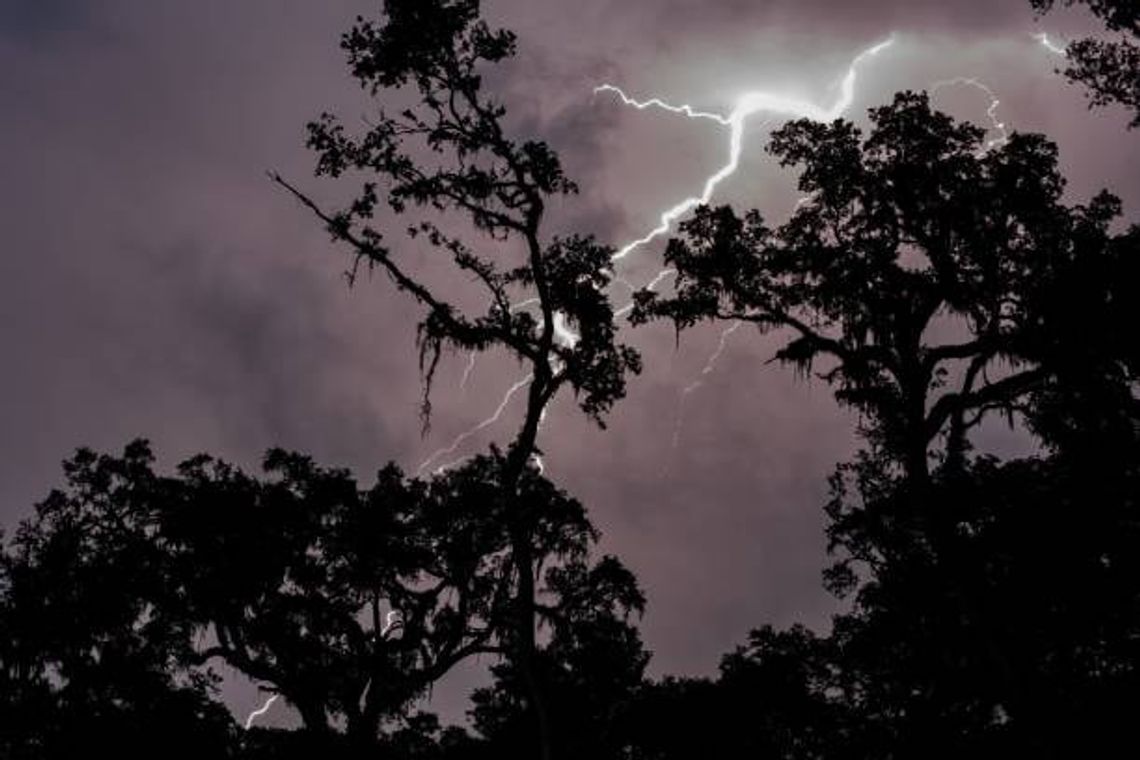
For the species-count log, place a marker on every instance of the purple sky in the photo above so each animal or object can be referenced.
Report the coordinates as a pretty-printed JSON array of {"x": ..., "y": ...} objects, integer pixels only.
[{"x": 153, "y": 282}]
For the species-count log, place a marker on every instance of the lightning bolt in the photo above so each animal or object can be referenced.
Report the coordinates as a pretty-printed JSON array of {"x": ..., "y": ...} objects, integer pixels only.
[
  {"x": 1043, "y": 38},
  {"x": 260, "y": 711},
  {"x": 748, "y": 105},
  {"x": 708, "y": 369},
  {"x": 563, "y": 334},
  {"x": 471, "y": 358},
  {"x": 467, "y": 434},
  {"x": 996, "y": 124}
]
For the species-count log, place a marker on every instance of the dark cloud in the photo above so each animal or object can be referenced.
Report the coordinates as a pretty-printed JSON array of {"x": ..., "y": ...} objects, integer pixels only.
[
  {"x": 153, "y": 282},
  {"x": 34, "y": 20}
]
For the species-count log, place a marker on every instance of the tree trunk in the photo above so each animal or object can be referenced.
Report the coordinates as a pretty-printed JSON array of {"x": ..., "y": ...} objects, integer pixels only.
[{"x": 521, "y": 533}]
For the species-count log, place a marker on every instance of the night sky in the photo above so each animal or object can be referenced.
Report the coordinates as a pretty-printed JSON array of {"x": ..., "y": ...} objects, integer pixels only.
[{"x": 153, "y": 282}]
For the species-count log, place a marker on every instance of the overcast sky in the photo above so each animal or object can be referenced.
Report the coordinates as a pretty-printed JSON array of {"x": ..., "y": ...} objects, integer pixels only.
[{"x": 154, "y": 283}]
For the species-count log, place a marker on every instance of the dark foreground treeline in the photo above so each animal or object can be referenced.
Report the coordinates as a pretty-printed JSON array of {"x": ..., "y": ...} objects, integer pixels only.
[{"x": 932, "y": 281}]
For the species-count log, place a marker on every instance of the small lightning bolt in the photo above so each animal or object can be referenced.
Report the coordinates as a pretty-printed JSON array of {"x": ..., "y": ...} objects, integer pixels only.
[
  {"x": 709, "y": 368},
  {"x": 467, "y": 434},
  {"x": 391, "y": 619},
  {"x": 991, "y": 113},
  {"x": 563, "y": 334},
  {"x": 471, "y": 357},
  {"x": 1043, "y": 38},
  {"x": 260, "y": 711},
  {"x": 651, "y": 286}
]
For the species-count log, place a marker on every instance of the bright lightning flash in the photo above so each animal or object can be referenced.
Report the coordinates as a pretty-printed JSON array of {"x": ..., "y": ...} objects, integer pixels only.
[
  {"x": 748, "y": 105},
  {"x": 260, "y": 711},
  {"x": 751, "y": 103},
  {"x": 1052, "y": 47}
]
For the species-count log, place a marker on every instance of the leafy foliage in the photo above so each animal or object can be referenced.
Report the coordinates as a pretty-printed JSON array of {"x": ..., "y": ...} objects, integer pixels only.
[
  {"x": 449, "y": 152},
  {"x": 1109, "y": 69},
  {"x": 128, "y": 584},
  {"x": 994, "y": 604},
  {"x": 902, "y": 239}
]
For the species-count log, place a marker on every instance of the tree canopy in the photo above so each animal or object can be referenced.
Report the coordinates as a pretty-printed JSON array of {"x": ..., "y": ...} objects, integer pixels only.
[
  {"x": 938, "y": 282},
  {"x": 1109, "y": 69}
]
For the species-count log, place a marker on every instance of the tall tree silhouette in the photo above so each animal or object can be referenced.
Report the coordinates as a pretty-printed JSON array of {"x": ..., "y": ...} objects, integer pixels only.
[
  {"x": 938, "y": 283},
  {"x": 1110, "y": 69},
  {"x": 905, "y": 241},
  {"x": 449, "y": 152}
]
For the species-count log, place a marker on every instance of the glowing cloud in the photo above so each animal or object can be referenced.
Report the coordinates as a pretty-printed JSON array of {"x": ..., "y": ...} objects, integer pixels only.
[{"x": 748, "y": 105}]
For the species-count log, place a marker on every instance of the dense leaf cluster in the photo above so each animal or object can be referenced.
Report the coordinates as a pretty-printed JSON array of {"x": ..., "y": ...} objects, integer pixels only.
[{"x": 1109, "y": 69}]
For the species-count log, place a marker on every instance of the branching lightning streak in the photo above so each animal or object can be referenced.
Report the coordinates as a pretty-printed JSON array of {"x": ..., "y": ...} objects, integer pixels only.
[
  {"x": 464, "y": 436},
  {"x": 260, "y": 711},
  {"x": 565, "y": 336},
  {"x": 650, "y": 286},
  {"x": 709, "y": 368},
  {"x": 473, "y": 356},
  {"x": 991, "y": 113},
  {"x": 1043, "y": 38},
  {"x": 658, "y": 103},
  {"x": 749, "y": 104}
]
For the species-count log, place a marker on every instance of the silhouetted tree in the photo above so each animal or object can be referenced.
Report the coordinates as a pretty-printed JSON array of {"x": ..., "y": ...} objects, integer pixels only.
[
  {"x": 775, "y": 697},
  {"x": 905, "y": 241},
  {"x": 295, "y": 566},
  {"x": 1110, "y": 69},
  {"x": 127, "y": 585},
  {"x": 939, "y": 282},
  {"x": 1016, "y": 634},
  {"x": 449, "y": 152},
  {"x": 97, "y": 646}
]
